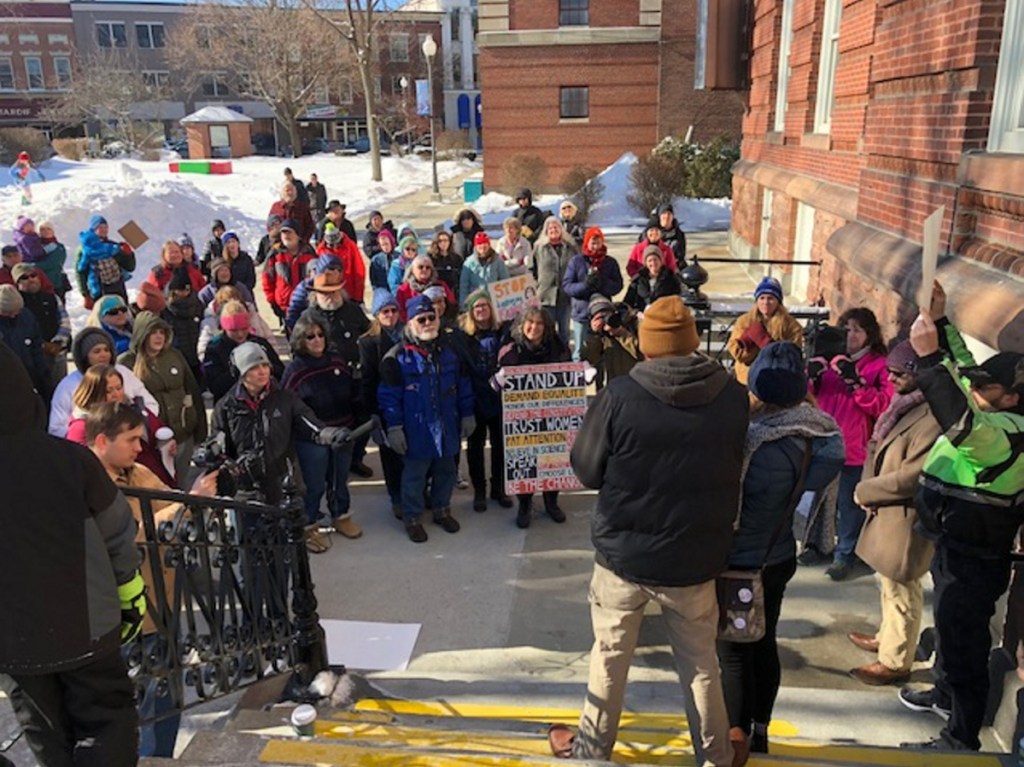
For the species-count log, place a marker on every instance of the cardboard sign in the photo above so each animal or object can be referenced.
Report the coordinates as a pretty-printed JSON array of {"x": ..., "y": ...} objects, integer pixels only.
[
  {"x": 542, "y": 411},
  {"x": 930, "y": 255},
  {"x": 511, "y": 297},
  {"x": 133, "y": 235}
]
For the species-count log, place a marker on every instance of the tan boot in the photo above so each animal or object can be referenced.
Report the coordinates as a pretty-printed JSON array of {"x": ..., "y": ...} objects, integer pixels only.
[{"x": 347, "y": 527}]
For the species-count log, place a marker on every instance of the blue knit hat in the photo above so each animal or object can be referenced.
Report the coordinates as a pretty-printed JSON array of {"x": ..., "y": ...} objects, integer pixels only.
[
  {"x": 107, "y": 303},
  {"x": 419, "y": 305},
  {"x": 770, "y": 286},
  {"x": 228, "y": 236},
  {"x": 777, "y": 376},
  {"x": 382, "y": 299},
  {"x": 96, "y": 220}
]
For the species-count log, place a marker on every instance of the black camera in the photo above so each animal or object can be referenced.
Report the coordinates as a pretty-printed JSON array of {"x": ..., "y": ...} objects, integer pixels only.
[
  {"x": 618, "y": 317},
  {"x": 243, "y": 473},
  {"x": 828, "y": 342}
]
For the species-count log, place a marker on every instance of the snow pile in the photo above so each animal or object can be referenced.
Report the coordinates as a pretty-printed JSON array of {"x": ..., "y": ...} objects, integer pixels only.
[
  {"x": 166, "y": 204},
  {"x": 612, "y": 211}
]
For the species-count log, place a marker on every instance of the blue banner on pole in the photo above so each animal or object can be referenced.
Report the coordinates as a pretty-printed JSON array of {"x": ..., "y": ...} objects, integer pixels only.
[{"x": 422, "y": 98}]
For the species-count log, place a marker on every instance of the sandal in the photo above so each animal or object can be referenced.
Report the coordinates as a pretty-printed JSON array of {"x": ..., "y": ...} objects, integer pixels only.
[
  {"x": 316, "y": 542},
  {"x": 561, "y": 738}
]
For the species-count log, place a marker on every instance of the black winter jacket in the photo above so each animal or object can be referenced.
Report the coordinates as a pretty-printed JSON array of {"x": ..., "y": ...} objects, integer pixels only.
[
  {"x": 373, "y": 349},
  {"x": 642, "y": 294},
  {"x": 185, "y": 316},
  {"x": 344, "y": 326},
  {"x": 65, "y": 543},
  {"x": 664, "y": 446},
  {"x": 267, "y": 426},
  {"x": 219, "y": 376},
  {"x": 325, "y": 383}
]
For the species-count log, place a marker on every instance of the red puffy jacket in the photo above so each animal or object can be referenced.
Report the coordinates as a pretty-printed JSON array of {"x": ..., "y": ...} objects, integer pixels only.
[{"x": 283, "y": 271}]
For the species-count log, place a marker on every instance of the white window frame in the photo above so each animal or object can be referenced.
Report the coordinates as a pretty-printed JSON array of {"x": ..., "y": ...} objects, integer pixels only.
[
  {"x": 63, "y": 80},
  {"x": 220, "y": 86},
  {"x": 766, "y": 224},
  {"x": 1006, "y": 128},
  {"x": 825, "y": 100},
  {"x": 782, "y": 78},
  {"x": 110, "y": 33},
  {"x": 398, "y": 42},
  {"x": 149, "y": 26},
  {"x": 345, "y": 92},
  {"x": 28, "y": 38},
  {"x": 322, "y": 94},
  {"x": 57, "y": 39},
  {"x": 156, "y": 78},
  {"x": 9, "y": 66},
  {"x": 803, "y": 248},
  {"x": 28, "y": 74}
]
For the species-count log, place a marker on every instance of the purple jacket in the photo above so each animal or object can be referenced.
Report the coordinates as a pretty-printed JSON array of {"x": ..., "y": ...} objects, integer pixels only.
[
  {"x": 856, "y": 411},
  {"x": 29, "y": 245}
]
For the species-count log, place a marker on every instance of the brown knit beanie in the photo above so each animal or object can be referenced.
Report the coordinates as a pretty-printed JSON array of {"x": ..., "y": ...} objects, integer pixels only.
[{"x": 668, "y": 329}]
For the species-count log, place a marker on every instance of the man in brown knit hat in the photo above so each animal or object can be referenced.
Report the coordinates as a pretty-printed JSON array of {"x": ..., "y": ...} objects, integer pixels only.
[{"x": 663, "y": 445}]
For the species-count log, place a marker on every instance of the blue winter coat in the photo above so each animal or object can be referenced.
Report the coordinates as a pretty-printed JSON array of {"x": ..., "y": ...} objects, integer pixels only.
[
  {"x": 22, "y": 335},
  {"x": 427, "y": 393},
  {"x": 380, "y": 265},
  {"x": 574, "y": 283},
  {"x": 94, "y": 250},
  {"x": 476, "y": 275},
  {"x": 396, "y": 272}
]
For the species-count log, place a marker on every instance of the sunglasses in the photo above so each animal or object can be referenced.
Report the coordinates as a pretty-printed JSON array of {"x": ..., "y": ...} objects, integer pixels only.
[
  {"x": 410, "y": 249},
  {"x": 424, "y": 319},
  {"x": 311, "y": 336},
  {"x": 118, "y": 310},
  {"x": 388, "y": 310}
]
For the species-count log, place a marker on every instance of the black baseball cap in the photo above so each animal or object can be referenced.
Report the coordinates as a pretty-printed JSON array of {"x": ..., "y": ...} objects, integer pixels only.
[{"x": 1005, "y": 369}]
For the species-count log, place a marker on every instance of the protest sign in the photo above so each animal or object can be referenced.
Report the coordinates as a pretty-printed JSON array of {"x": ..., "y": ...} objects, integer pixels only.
[
  {"x": 511, "y": 297},
  {"x": 132, "y": 234},
  {"x": 930, "y": 255},
  {"x": 542, "y": 411}
]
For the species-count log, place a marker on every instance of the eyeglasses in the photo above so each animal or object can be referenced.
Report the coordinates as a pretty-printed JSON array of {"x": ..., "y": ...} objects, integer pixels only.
[
  {"x": 424, "y": 319},
  {"x": 388, "y": 310},
  {"x": 311, "y": 336},
  {"x": 410, "y": 249},
  {"x": 117, "y": 310}
]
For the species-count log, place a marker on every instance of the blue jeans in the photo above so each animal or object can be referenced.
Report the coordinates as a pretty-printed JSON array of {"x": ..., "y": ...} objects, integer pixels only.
[
  {"x": 324, "y": 469},
  {"x": 561, "y": 314},
  {"x": 414, "y": 482},
  {"x": 850, "y": 515},
  {"x": 157, "y": 738},
  {"x": 579, "y": 332}
]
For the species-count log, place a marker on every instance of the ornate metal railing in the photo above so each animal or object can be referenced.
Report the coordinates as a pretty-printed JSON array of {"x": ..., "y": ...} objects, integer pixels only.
[{"x": 231, "y": 599}]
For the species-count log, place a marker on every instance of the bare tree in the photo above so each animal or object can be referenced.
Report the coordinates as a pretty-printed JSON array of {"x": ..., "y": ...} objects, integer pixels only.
[
  {"x": 357, "y": 22},
  {"x": 275, "y": 51},
  {"x": 398, "y": 121},
  {"x": 109, "y": 87}
]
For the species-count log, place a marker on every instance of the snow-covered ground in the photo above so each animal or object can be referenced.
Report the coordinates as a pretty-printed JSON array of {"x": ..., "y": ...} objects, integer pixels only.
[{"x": 612, "y": 212}]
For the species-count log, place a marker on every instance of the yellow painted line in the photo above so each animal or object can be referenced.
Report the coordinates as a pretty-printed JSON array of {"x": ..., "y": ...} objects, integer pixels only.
[
  {"x": 314, "y": 753},
  {"x": 534, "y": 742},
  {"x": 440, "y": 708}
]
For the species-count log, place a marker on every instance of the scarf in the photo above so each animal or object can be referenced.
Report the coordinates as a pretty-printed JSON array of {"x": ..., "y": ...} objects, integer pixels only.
[
  {"x": 804, "y": 420},
  {"x": 898, "y": 407}
]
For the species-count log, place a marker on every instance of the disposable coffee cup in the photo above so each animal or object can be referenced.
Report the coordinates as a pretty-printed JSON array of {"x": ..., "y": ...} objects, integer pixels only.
[{"x": 304, "y": 720}]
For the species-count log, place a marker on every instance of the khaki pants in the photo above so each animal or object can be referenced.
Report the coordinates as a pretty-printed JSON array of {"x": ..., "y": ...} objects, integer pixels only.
[
  {"x": 902, "y": 604},
  {"x": 691, "y": 615}
]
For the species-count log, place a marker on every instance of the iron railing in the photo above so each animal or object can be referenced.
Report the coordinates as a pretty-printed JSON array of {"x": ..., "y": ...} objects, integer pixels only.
[{"x": 222, "y": 571}]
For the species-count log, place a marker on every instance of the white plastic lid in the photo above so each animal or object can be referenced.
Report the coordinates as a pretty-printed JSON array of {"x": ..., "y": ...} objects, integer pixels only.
[{"x": 303, "y": 714}]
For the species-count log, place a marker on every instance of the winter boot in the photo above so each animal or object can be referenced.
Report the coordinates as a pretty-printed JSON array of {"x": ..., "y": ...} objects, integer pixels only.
[
  {"x": 479, "y": 499},
  {"x": 498, "y": 494},
  {"x": 552, "y": 508},
  {"x": 446, "y": 521},
  {"x": 525, "y": 512}
]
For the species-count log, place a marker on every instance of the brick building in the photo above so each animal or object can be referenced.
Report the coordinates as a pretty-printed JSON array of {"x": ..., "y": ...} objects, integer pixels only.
[
  {"x": 865, "y": 116},
  {"x": 36, "y": 59},
  {"x": 579, "y": 82}
]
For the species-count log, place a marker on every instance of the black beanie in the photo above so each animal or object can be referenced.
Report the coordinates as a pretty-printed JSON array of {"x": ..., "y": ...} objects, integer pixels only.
[{"x": 179, "y": 279}]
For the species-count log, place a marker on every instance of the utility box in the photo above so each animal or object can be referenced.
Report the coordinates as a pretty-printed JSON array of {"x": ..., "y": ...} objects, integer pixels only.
[{"x": 472, "y": 189}]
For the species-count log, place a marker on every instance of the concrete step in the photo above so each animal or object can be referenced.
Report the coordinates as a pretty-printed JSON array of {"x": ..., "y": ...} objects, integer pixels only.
[{"x": 444, "y": 733}]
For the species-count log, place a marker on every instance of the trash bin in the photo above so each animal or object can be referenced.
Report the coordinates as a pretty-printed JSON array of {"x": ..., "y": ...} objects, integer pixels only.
[{"x": 472, "y": 189}]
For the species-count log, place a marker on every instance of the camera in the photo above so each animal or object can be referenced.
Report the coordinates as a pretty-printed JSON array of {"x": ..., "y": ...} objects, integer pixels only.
[
  {"x": 242, "y": 473},
  {"x": 618, "y": 317},
  {"x": 828, "y": 342}
]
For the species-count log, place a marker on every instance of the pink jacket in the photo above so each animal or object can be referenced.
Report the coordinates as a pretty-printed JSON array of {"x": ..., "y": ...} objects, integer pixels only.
[
  {"x": 856, "y": 411},
  {"x": 636, "y": 257}
]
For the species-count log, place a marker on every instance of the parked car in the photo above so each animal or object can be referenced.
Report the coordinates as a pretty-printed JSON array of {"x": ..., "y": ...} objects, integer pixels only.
[
  {"x": 362, "y": 146},
  {"x": 315, "y": 145},
  {"x": 178, "y": 145},
  {"x": 264, "y": 144}
]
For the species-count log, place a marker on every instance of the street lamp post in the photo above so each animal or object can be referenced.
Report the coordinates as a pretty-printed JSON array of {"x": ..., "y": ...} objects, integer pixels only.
[
  {"x": 404, "y": 82},
  {"x": 429, "y": 51}
]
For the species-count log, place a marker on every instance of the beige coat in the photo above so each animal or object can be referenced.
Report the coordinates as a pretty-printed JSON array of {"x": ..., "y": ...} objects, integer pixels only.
[
  {"x": 780, "y": 326},
  {"x": 888, "y": 484}
]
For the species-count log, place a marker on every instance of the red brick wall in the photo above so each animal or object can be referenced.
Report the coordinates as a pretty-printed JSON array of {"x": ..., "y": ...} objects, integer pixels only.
[
  {"x": 711, "y": 113},
  {"x": 543, "y": 14},
  {"x": 522, "y": 106}
]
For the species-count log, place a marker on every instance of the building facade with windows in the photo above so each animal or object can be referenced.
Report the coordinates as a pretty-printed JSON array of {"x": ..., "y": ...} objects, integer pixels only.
[
  {"x": 865, "y": 117},
  {"x": 580, "y": 82},
  {"x": 37, "y": 53}
]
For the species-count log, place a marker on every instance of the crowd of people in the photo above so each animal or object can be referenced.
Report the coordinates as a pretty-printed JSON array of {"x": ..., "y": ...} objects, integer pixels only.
[{"x": 912, "y": 453}]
